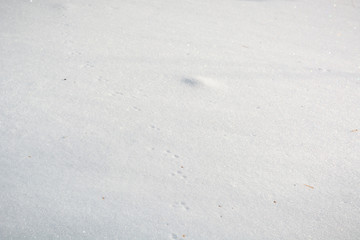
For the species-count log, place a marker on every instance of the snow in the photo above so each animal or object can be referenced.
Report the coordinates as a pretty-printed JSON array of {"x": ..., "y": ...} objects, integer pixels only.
[{"x": 183, "y": 119}]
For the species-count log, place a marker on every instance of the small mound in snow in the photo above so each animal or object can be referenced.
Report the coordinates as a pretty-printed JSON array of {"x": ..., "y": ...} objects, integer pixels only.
[
  {"x": 203, "y": 81},
  {"x": 192, "y": 82}
]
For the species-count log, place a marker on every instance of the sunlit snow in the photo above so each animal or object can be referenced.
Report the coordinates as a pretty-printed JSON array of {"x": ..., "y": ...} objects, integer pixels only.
[{"x": 180, "y": 119}]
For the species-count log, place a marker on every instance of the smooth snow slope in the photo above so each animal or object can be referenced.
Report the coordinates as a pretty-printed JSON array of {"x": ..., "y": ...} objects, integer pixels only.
[{"x": 180, "y": 119}]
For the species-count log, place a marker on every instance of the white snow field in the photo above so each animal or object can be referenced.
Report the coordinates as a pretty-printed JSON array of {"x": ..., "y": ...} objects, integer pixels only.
[{"x": 180, "y": 119}]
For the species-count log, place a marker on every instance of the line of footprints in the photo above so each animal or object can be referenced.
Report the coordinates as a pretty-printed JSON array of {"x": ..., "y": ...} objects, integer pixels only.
[
  {"x": 177, "y": 173},
  {"x": 180, "y": 205}
]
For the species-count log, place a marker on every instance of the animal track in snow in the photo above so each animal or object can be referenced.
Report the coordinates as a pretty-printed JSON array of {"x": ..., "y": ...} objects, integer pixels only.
[
  {"x": 150, "y": 148},
  {"x": 174, "y": 236},
  {"x": 179, "y": 174},
  {"x": 74, "y": 53},
  {"x": 102, "y": 79},
  {"x": 87, "y": 65},
  {"x": 174, "y": 156},
  {"x": 136, "y": 109},
  {"x": 181, "y": 205},
  {"x": 154, "y": 127}
]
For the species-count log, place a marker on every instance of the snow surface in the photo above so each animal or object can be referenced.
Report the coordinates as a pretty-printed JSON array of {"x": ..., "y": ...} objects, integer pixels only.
[{"x": 179, "y": 119}]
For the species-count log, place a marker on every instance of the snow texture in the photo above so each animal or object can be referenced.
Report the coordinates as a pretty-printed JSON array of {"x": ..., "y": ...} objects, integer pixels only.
[{"x": 191, "y": 119}]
